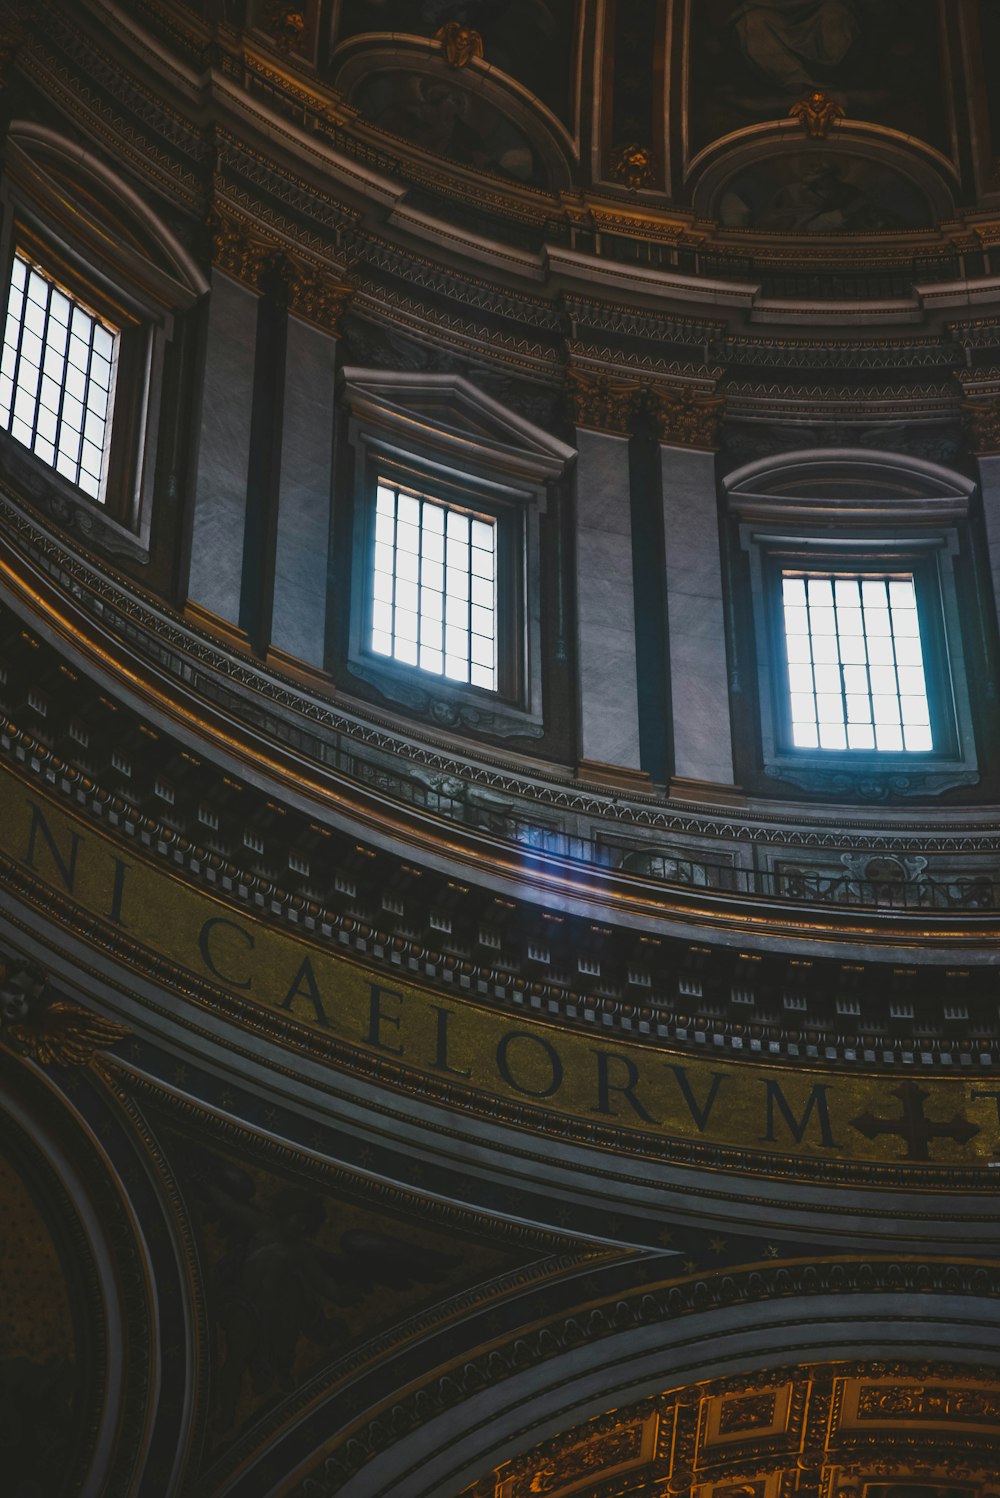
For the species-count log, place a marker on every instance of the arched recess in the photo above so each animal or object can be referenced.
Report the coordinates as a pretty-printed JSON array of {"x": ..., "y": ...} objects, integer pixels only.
[
  {"x": 477, "y": 116},
  {"x": 858, "y": 513},
  {"x": 432, "y": 1442},
  {"x": 118, "y": 1405}
]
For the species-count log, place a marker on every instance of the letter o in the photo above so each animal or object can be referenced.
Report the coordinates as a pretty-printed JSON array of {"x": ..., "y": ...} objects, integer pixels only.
[{"x": 551, "y": 1055}]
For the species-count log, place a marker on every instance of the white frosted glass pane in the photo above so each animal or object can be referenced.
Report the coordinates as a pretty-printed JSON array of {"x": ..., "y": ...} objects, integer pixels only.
[
  {"x": 855, "y": 679},
  {"x": 888, "y": 736},
  {"x": 434, "y": 519},
  {"x": 383, "y": 557},
  {"x": 433, "y": 546},
  {"x": 59, "y": 306},
  {"x": 483, "y": 651},
  {"x": 483, "y": 592},
  {"x": 456, "y": 668},
  {"x": 914, "y": 711},
  {"x": 21, "y": 430},
  {"x": 873, "y": 593},
  {"x": 457, "y": 613},
  {"x": 78, "y": 354},
  {"x": 829, "y": 707},
  {"x": 880, "y": 651},
  {"x": 407, "y": 537},
  {"x": 482, "y": 621},
  {"x": 384, "y": 528},
  {"x": 859, "y": 709},
  {"x": 49, "y": 394},
  {"x": 825, "y": 649},
  {"x": 381, "y": 642},
  {"x": 883, "y": 680},
  {"x": 72, "y": 412},
  {"x": 805, "y": 736},
  {"x": 431, "y": 605},
  {"x": 456, "y": 640},
  {"x": 66, "y": 464},
  {"x": 54, "y": 364},
  {"x": 34, "y": 319},
  {"x": 432, "y": 576},
  {"x": 798, "y": 648},
  {"x": 458, "y": 555},
  {"x": 918, "y": 738},
  {"x": 407, "y": 510},
  {"x": 89, "y": 483},
  {"x": 46, "y": 425},
  {"x": 886, "y": 709},
  {"x": 405, "y": 625},
  {"x": 100, "y": 377},
  {"x": 849, "y": 622},
  {"x": 901, "y": 595},
  {"x": 483, "y": 563},
  {"x": 911, "y": 680},
  {"x": 457, "y": 585},
  {"x": 31, "y": 349},
  {"x": 820, "y": 592},
  {"x": 483, "y": 676},
  {"x": 431, "y": 659},
  {"x": 905, "y": 623},
  {"x": 44, "y": 449},
  {"x": 38, "y": 289},
  {"x": 803, "y": 707},
  {"x": 9, "y": 360},
  {"x": 103, "y": 342},
  {"x": 832, "y": 736},
  {"x": 827, "y": 678},
  {"x": 800, "y": 678},
  {"x": 407, "y": 566},
  {"x": 793, "y": 591},
  {"x": 19, "y": 271},
  {"x": 381, "y": 617},
  {"x": 6, "y": 396},
  {"x": 431, "y": 633},
  {"x": 385, "y": 501},
  {"x": 860, "y": 736},
  {"x": 796, "y": 621},
  {"x": 877, "y": 622},
  {"x": 847, "y": 593},
  {"x": 406, "y": 651},
  {"x": 92, "y": 458},
  {"x": 908, "y": 651},
  {"x": 406, "y": 594},
  {"x": 458, "y": 527},
  {"x": 481, "y": 534}
]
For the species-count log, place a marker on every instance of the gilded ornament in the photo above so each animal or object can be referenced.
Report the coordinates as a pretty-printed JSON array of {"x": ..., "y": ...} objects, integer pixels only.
[
  {"x": 685, "y": 417},
  {"x": 602, "y": 402},
  {"x": 816, "y": 113},
  {"x": 634, "y": 166},
  {"x": 982, "y": 423},
  {"x": 286, "y": 23},
  {"x": 51, "y": 1032},
  {"x": 459, "y": 44}
]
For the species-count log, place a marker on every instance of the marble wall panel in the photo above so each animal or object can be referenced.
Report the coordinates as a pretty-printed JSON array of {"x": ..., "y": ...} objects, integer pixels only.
[
  {"x": 224, "y": 450},
  {"x": 699, "y": 677}
]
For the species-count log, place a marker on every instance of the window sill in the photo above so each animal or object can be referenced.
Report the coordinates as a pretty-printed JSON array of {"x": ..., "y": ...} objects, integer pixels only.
[
  {"x": 446, "y": 704},
  {"x": 35, "y": 483}
]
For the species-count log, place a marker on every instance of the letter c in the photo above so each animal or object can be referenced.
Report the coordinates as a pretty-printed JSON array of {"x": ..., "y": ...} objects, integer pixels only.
[{"x": 206, "y": 950}]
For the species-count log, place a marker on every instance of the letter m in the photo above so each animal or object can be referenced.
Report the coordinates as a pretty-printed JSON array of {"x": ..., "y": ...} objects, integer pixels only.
[
  {"x": 797, "y": 1127},
  {"x": 66, "y": 866}
]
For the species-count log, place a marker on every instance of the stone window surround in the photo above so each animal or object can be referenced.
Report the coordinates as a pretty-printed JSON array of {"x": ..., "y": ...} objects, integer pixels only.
[
  {"x": 442, "y": 434},
  {"x": 37, "y": 217},
  {"x": 856, "y": 508}
]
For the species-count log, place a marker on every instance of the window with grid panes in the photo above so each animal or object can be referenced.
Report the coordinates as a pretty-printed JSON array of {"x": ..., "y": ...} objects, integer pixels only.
[
  {"x": 57, "y": 377},
  {"x": 434, "y": 587},
  {"x": 856, "y": 674}
]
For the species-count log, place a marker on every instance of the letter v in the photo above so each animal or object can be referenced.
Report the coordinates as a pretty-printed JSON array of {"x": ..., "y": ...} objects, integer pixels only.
[{"x": 700, "y": 1115}]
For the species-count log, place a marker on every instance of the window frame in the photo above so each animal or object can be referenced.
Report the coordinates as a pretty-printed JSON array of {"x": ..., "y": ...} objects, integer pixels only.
[
  {"x": 509, "y": 521},
  {"x": 120, "y": 497},
  {"x": 792, "y": 520},
  {"x": 442, "y": 437}
]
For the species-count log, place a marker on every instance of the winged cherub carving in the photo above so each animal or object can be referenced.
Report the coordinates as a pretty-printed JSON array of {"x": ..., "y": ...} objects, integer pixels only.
[{"x": 52, "y": 1032}]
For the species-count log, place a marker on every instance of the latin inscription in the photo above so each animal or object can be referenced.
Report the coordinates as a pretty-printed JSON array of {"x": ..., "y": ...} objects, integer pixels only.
[{"x": 642, "y": 1089}]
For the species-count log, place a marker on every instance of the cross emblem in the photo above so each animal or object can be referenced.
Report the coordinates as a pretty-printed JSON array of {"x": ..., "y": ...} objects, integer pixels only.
[{"x": 913, "y": 1127}]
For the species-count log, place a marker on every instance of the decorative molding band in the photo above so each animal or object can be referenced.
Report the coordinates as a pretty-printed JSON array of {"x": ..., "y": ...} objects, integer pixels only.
[{"x": 262, "y": 263}]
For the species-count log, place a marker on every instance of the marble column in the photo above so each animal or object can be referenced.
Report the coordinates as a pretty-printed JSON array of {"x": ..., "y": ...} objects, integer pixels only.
[
  {"x": 215, "y": 576},
  {"x": 609, "y": 699},
  {"x": 699, "y": 675},
  {"x": 301, "y": 582}
]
